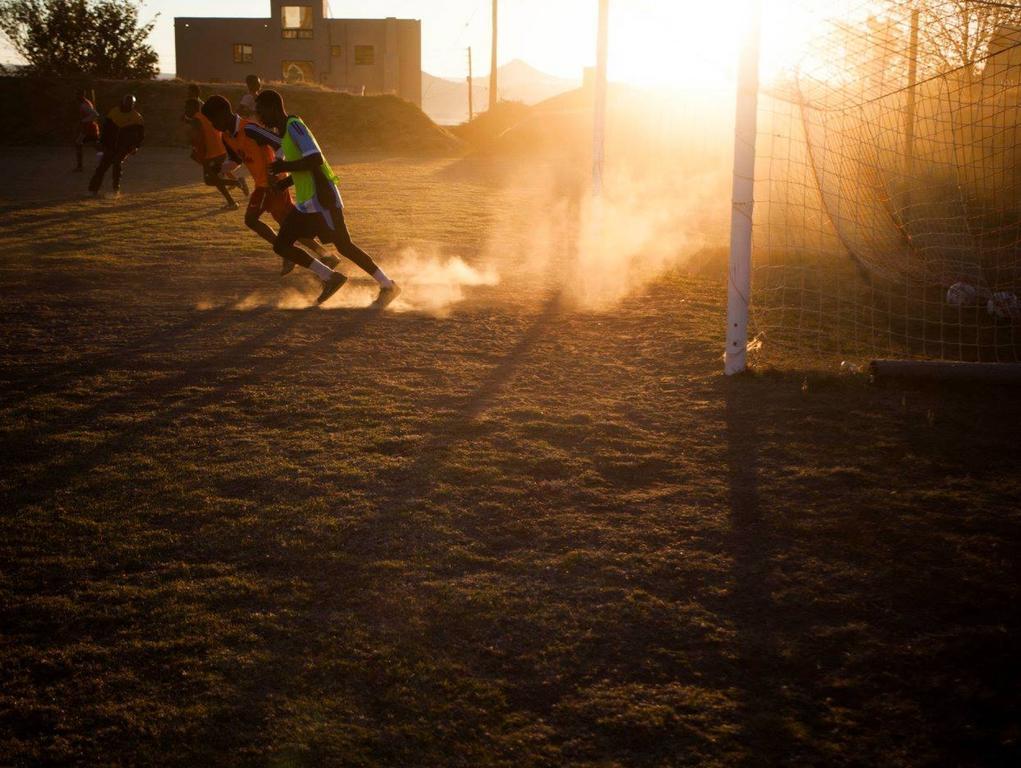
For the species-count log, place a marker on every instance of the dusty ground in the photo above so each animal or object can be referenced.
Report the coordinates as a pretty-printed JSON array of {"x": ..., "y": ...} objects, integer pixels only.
[{"x": 503, "y": 531}]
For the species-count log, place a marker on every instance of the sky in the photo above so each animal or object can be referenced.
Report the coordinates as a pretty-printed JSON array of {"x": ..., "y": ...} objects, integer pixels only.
[{"x": 652, "y": 42}]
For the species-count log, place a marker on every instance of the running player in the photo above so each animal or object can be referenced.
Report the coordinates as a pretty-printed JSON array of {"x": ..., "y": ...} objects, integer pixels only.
[
  {"x": 209, "y": 152},
  {"x": 86, "y": 128},
  {"x": 193, "y": 93},
  {"x": 246, "y": 107},
  {"x": 246, "y": 142},
  {"x": 122, "y": 135},
  {"x": 320, "y": 209}
]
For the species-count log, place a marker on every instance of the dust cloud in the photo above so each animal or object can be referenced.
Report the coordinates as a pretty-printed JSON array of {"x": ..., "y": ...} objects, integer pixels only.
[
  {"x": 431, "y": 283},
  {"x": 665, "y": 197},
  {"x": 600, "y": 250},
  {"x": 636, "y": 231}
]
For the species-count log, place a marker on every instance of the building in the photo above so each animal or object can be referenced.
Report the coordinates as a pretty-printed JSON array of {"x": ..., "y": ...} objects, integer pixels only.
[{"x": 300, "y": 43}]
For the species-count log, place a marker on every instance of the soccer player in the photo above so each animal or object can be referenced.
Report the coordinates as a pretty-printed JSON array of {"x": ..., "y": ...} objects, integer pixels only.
[
  {"x": 209, "y": 152},
  {"x": 193, "y": 93},
  {"x": 86, "y": 128},
  {"x": 246, "y": 142},
  {"x": 320, "y": 209},
  {"x": 122, "y": 135},
  {"x": 246, "y": 108}
]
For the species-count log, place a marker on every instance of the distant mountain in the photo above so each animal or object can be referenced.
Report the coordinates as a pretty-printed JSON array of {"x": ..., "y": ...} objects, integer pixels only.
[
  {"x": 445, "y": 100},
  {"x": 519, "y": 81}
]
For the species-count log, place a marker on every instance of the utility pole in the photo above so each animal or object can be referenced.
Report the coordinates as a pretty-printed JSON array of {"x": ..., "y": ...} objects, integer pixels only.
[
  {"x": 471, "y": 106},
  {"x": 599, "y": 102},
  {"x": 909, "y": 111},
  {"x": 492, "y": 62}
]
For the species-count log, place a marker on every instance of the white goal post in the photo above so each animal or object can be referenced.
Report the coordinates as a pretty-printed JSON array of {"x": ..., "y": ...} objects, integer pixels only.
[{"x": 739, "y": 274}]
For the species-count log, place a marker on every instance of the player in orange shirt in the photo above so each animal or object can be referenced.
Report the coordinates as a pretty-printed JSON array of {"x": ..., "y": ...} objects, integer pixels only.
[
  {"x": 244, "y": 144},
  {"x": 209, "y": 152}
]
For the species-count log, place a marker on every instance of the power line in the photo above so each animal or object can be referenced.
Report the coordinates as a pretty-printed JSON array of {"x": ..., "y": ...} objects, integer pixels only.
[{"x": 460, "y": 35}]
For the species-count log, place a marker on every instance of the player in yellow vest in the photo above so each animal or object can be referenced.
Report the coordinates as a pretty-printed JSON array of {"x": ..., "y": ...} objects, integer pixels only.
[
  {"x": 319, "y": 210},
  {"x": 122, "y": 135}
]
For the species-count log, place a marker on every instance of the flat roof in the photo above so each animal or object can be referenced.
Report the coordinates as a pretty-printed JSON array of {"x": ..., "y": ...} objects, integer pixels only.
[{"x": 270, "y": 18}]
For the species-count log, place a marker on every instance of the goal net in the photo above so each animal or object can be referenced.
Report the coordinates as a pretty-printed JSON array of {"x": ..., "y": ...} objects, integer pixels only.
[{"x": 887, "y": 169}]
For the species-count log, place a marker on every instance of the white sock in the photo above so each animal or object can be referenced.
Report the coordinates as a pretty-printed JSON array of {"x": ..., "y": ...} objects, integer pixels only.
[
  {"x": 321, "y": 271},
  {"x": 380, "y": 277}
]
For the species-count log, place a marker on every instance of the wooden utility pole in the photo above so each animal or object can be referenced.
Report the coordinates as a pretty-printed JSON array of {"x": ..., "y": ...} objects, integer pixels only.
[
  {"x": 471, "y": 106},
  {"x": 909, "y": 112},
  {"x": 492, "y": 62},
  {"x": 599, "y": 101}
]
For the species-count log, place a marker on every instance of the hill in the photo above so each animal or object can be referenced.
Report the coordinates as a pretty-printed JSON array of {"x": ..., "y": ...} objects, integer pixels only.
[
  {"x": 41, "y": 111},
  {"x": 519, "y": 81},
  {"x": 445, "y": 100}
]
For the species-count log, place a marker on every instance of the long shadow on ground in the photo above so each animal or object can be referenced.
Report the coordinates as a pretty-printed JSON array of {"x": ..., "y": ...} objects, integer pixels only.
[
  {"x": 868, "y": 614},
  {"x": 207, "y": 374}
]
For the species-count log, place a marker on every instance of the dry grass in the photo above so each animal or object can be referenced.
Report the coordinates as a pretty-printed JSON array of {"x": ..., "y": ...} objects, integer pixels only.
[{"x": 503, "y": 532}]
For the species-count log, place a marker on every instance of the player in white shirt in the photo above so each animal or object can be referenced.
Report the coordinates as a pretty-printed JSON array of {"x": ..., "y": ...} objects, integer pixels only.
[{"x": 246, "y": 107}]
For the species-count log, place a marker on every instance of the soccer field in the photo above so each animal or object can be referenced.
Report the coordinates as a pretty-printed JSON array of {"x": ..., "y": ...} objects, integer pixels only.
[{"x": 488, "y": 526}]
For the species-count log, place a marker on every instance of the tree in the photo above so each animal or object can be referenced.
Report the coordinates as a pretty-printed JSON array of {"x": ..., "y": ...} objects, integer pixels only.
[
  {"x": 962, "y": 32},
  {"x": 102, "y": 38}
]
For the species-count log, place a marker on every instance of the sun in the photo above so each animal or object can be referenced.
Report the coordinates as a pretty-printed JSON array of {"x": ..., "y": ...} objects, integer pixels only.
[
  {"x": 683, "y": 46},
  {"x": 671, "y": 44}
]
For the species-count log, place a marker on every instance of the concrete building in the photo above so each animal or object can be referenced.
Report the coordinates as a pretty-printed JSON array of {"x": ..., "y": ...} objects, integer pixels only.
[{"x": 299, "y": 42}]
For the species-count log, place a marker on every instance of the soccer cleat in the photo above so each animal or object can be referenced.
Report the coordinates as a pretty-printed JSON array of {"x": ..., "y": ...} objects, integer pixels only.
[
  {"x": 386, "y": 296},
  {"x": 231, "y": 206},
  {"x": 331, "y": 286},
  {"x": 286, "y": 267}
]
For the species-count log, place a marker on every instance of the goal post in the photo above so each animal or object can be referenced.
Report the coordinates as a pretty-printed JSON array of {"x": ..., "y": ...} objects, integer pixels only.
[{"x": 739, "y": 273}]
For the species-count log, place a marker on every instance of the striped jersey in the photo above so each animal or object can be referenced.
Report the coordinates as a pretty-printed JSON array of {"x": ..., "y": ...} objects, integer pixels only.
[{"x": 253, "y": 146}]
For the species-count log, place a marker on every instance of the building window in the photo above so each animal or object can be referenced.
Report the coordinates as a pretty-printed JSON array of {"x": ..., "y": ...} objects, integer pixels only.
[
  {"x": 296, "y": 22},
  {"x": 336, "y": 51},
  {"x": 365, "y": 55},
  {"x": 242, "y": 53},
  {"x": 298, "y": 72}
]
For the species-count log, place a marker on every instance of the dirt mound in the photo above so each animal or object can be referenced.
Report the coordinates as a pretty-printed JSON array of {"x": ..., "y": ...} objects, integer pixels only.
[
  {"x": 481, "y": 131},
  {"x": 42, "y": 111},
  {"x": 561, "y": 125},
  {"x": 650, "y": 129}
]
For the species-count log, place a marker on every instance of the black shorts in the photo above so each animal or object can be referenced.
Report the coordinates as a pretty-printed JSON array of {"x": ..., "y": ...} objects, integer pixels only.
[
  {"x": 211, "y": 169},
  {"x": 324, "y": 225}
]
